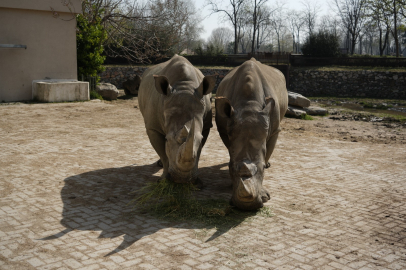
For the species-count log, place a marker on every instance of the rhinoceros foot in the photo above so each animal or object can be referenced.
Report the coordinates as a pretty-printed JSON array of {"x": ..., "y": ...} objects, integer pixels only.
[
  {"x": 159, "y": 163},
  {"x": 198, "y": 183},
  {"x": 264, "y": 195},
  {"x": 267, "y": 165}
]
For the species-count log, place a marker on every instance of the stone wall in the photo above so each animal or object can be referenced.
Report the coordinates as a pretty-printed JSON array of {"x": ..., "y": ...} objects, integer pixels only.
[
  {"x": 371, "y": 84},
  {"x": 118, "y": 75}
]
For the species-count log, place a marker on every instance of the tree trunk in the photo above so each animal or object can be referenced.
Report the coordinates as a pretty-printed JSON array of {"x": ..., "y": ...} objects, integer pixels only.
[
  {"x": 298, "y": 45},
  {"x": 253, "y": 41},
  {"x": 258, "y": 40},
  {"x": 360, "y": 45},
  {"x": 254, "y": 22},
  {"x": 235, "y": 39},
  {"x": 353, "y": 40},
  {"x": 395, "y": 16}
]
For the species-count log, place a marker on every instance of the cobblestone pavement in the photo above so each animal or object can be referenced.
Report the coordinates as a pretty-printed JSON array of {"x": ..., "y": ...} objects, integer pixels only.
[{"x": 66, "y": 171}]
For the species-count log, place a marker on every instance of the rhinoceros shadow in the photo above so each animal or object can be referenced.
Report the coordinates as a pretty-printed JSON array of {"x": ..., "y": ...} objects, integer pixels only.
[{"x": 99, "y": 201}]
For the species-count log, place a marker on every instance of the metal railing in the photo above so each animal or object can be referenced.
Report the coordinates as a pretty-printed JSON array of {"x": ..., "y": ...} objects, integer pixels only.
[{"x": 91, "y": 80}]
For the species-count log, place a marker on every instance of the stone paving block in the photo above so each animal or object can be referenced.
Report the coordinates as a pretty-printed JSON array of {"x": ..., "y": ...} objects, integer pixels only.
[
  {"x": 35, "y": 262},
  {"x": 336, "y": 205}
]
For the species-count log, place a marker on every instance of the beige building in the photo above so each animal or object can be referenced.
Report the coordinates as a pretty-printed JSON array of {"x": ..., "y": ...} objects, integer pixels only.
[{"x": 37, "y": 41}]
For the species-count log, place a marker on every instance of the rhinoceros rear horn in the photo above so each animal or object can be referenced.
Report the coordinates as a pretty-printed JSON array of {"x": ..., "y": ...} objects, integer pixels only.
[
  {"x": 188, "y": 151},
  {"x": 162, "y": 85},
  {"x": 207, "y": 85},
  {"x": 223, "y": 107}
]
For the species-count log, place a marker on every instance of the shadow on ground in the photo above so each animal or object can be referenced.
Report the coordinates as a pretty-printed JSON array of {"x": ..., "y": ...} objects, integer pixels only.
[{"x": 98, "y": 201}]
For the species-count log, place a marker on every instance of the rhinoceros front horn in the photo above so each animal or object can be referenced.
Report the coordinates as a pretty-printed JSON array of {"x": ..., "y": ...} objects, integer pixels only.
[
  {"x": 187, "y": 151},
  {"x": 246, "y": 191}
]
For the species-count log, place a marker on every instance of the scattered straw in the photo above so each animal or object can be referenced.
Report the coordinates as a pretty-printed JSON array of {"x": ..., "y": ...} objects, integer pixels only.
[{"x": 173, "y": 201}]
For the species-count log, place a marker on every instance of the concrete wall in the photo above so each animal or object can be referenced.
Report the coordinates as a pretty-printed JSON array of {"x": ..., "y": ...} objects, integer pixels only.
[{"x": 51, "y": 45}]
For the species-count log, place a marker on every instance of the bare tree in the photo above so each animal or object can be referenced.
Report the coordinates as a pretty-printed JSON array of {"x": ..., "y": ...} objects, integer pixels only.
[
  {"x": 221, "y": 37},
  {"x": 309, "y": 15},
  {"x": 352, "y": 14},
  {"x": 138, "y": 32},
  {"x": 395, "y": 8},
  {"x": 263, "y": 26},
  {"x": 330, "y": 24},
  {"x": 295, "y": 24},
  {"x": 258, "y": 7},
  {"x": 232, "y": 13},
  {"x": 278, "y": 20},
  {"x": 120, "y": 19},
  {"x": 175, "y": 23},
  {"x": 369, "y": 32},
  {"x": 381, "y": 20},
  {"x": 245, "y": 30}
]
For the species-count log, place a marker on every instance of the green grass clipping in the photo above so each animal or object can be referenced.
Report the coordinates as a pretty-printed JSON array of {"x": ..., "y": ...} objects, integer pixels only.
[{"x": 176, "y": 202}]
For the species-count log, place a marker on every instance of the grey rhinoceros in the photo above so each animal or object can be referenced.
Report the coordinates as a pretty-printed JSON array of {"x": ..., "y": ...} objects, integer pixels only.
[
  {"x": 174, "y": 99},
  {"x": 251, "y": 102}
]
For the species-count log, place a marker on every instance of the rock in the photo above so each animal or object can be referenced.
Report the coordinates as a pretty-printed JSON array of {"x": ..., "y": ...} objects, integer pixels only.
[
  {"x": 107, "y": 91},
  {"x": 296, "y": 99},
  {"x": 295, "y": 111},
  {"x": 315, "y": 111},
  {"x": 131, "y": 86}
]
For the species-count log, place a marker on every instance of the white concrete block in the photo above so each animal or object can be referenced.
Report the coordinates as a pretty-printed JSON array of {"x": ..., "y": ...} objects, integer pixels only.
[{"x": 59, "y": 90}]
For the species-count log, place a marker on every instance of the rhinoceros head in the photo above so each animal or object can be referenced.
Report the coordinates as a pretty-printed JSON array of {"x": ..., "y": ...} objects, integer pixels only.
[
  {"x": 184, "y": 110},
  {"x": 247, "y": 131}
]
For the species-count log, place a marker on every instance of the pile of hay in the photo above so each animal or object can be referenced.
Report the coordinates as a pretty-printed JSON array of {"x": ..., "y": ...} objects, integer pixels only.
[{"x": 174, "y": 201}]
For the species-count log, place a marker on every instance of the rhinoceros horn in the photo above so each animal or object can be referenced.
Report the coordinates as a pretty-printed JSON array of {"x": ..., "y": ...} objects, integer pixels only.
[
  {"x": 246, "y": 190},
  {"x": 182, "y": 134},
  {"x": 188, "y": 153}
]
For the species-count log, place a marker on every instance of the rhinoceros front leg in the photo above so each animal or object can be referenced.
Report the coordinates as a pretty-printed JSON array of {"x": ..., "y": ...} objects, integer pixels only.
[
  {"x": 270, "y": 146},
  {"x": 158, "y": 142}
]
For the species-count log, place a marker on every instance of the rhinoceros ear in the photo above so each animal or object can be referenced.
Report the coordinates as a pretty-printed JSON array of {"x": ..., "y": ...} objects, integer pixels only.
[
  {"x": 269, "y": 105},
  {"x": 207, "y": 85},
  {"x": 223, "y": 107},
  {"x": 162, "y": 85}
]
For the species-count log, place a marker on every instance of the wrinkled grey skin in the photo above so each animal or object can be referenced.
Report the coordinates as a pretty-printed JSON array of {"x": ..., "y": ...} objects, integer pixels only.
[
  {"x": 251, "y": 101},
  {"x": 174, "y": 99}
]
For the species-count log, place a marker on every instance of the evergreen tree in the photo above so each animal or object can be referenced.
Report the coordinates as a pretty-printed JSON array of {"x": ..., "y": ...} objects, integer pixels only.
[
  {"x": 90, "y": 36},
  {"x": 322, "y": 44}
]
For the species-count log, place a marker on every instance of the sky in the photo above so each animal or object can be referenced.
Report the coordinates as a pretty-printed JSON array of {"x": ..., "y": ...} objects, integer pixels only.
[{"x": 213, "y": 21}]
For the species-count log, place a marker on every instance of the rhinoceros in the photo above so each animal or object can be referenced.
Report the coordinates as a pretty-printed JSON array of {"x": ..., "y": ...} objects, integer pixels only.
[
  {"x": 251, "y": 102},
  {"x": 174, "y": 99}
]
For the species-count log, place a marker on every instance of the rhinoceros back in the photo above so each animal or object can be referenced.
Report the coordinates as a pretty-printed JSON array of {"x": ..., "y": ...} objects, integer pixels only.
[{"x": 271, "y": 79}]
